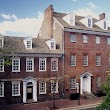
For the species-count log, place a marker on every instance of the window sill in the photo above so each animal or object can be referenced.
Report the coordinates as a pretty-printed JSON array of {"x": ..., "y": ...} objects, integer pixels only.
[
  {"x": 16, "y": 95},
  {"x": 42, "y": 93}
]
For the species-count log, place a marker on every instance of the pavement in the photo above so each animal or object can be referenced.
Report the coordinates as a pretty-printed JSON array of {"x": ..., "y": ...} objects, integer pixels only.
[{"x": 62, "y": 104}]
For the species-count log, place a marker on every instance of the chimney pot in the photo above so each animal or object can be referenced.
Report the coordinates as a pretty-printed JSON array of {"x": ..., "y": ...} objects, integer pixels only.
[{"x": 102, "y": 16}]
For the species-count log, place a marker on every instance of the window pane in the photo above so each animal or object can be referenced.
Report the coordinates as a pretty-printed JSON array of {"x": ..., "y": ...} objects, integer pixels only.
[
  {"x": 29, "y": 64},
  {"x": 42, "y": 64},
  {"x": 73, "y": 60},
  {"x": 72, "y": 38},
  {"x": 54, "y": 64},
  {"x": 73, "y": 83},
  {"x": 97, "y": 40},
  {"x": 85, "y": 39},
  {"x": 1, "y": 65},
  {"x": 85, "y": 60},
  {"x": 98, "y": 60}
]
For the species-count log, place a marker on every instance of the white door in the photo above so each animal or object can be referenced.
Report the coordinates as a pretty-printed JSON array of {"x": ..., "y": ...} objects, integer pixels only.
[{"x": 85, "y": 85}]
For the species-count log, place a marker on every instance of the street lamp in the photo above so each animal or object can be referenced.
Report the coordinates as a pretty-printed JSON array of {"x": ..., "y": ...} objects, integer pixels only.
[{"x": 53, "y": 88}]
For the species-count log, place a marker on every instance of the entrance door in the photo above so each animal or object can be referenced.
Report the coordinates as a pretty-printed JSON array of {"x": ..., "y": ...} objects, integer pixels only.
[
  {"x": 85, "y": 85},
  {"x": 29, "y": 92}
]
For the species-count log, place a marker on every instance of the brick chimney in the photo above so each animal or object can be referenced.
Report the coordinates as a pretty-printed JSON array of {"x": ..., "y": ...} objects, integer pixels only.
[
  {"x": 102, "y": 16},
  {"x": 47, "y": 25}
]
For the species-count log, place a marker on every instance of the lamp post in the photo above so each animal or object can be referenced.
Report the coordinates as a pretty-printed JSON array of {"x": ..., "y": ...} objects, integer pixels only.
[
  {"x": 79, "y": 94},
  {"x": 54, "y": 95}
]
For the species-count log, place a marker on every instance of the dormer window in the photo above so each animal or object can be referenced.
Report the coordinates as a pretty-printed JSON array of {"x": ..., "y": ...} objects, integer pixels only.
[
  {"x": 1, "y": 41},
  {"x": 89, "y": 22},
  {"x": 28, "y": 43},
  {"x": 52, "y": 45},
  {"x": 105, "y": 25}
]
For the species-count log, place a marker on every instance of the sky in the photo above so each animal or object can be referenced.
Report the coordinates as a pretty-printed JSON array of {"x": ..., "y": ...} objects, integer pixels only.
[{"x": 24, "y": 17}]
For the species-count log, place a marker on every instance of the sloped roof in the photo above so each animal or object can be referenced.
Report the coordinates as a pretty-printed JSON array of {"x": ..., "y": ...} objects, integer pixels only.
[
  {"x": 78, "y": 24},
  {"x": 16, "y": 45}
]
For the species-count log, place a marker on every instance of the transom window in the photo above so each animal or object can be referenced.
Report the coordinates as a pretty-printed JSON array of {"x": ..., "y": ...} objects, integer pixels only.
[
  {"x": 98, "y": 60},
  {"x": 1, "y": 65},
  {"x": 42, "y": 87},
  {"x": 73, "y": 60},
  {"x": 89, "y": 22},
  {"x": 73, "y": 83},
  {"x": 98, "y": 81},
  {"x": 54, "y": 64},
  {"x": 29, "y": 64},
  {"x": 15, "y": 64},
  {"x": 72, "y": 38},
  {"x": 54, "y": 86},
  {"x": 108, "y": 40},
  {"x": 15, "y": 88},
  {"x": 29, "y": 44},
  {"x": 97, "y": 40},
  {"x": 85, "y": 39},
  {"x": 85, "y": 60},
  {"x": 42, "y": 64},
  {"x": 2, "y": 89}
]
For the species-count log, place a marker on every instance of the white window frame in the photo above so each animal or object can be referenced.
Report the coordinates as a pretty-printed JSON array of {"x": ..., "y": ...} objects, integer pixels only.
[
  {"x": 85, "y": 60},
  {"x": 43, "y": 66},
  {"x": 42, "y": 87},
  {"x": 98, "y": 81},
  {"x": 18, "y": 84},
  {"x": 108, "y": 40},
  {"x": 73, "y": 83},
  {"x": 29, "y": 44},
  {"x": 97, "y": 40},
  {"x": 89, "y": 23},
  {"x": 31, "y": 66},
  {"x": 73, "y": 60},
  {"x": 1, "y": 65},
  {"x": 54, "y": 64},
  {"x": 2, "y": 89},
  {"x": 85, "y": 39},
  {"x": 13, "y": 59},
  {"x": 72, "y": 38},
  {"x": 56, "y": 87},
  {"x": 98, "y": 60},
  {"x": 52, "y": 45}
]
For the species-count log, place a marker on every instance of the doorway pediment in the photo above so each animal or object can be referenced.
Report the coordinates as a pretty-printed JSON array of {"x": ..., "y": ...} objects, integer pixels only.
[{"x": 86, "y": 74}]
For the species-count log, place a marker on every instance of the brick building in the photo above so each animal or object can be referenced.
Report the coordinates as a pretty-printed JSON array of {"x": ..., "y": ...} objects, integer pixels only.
[{"x": 68, "y": 47}]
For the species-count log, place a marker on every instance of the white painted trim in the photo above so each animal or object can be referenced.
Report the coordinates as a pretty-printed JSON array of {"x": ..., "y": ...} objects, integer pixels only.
[
  {"x": 54, "y": 81},
  {"x": 56, "y": 60},
  {"x": 2, "y": 65},
  {"x": 2, "y": 83},
  {"x": 39, "y": 88},
  {"x": 40, "y": 59}
]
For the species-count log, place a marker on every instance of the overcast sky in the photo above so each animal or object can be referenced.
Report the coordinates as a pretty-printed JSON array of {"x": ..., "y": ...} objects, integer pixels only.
[{"x": 24, "y": 17}]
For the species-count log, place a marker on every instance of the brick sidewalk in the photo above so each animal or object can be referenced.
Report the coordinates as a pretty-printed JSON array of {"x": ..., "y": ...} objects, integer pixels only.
[{"x": 62, "y": 103}]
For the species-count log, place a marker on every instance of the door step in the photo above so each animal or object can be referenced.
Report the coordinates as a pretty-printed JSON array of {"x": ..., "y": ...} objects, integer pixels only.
[
  {"x": 30, "y": 101},
  {"x": 87, "y": 95}
]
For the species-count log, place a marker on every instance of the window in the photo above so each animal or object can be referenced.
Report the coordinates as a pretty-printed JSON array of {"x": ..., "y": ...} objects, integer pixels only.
[
  {"x": 54, "y": 64},
  {"x": 71, "y": 19},
  {"x": 52, "y": 45},
  {"x": 42, "y": 64},
  {"x": 85, "y": 39},
  {"x": 72, "y": 38},
  {"x": 73, "y": 83},
  {"x": 85, "y": 60},
  {"x": 16, "y": 65},
  {"x": 105, "y": 25},
  {"x": 29, "y": 44},
  {"x": 15, "y": 88},
  {"x": 109, "y": 59},
  {"x": 108, "y": 39},
  {"x": 1, "y": 42},
  {"x": 97, "y": 40},
  {"x": 98, "y": 60},
  {"x": 98, "y": 81},
  {"x": 1, "y": 65},
  {"x": 2, "y": 89},
  {"x": 89, "y": 22},
  {"x": 29, "y": 64},
  {"x": 42, "y": 87},
  {"x": 54, "y": 86},
  {"x": 73, "y": 60}
]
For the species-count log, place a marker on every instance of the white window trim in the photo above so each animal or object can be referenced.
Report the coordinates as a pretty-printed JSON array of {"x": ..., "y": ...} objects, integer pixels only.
[
  {"x": 86, "y": 60},
  {"x": 52, "y": 46},
  {"x": 85, "y": 41},
  {"x": 2, "y": 65},
  {"x": 30, "y": 44},
  {"x": 72, "y": 60},
  {"x": 75, "y": 84},
  {"x": 32, "y": 64},
  {"x": 98, "y": 81},
  {"x": 39, "y": 88},
  {"x": 71, "y": 39},
  {"x": 54, "y": 59},
  {"x": 18, "y": 65},
  {"x": 2, "y": 41},
  {"x": 56, "y": 91},
  {"x": 99, "y": 60},
  {"x": 108, "y": 40},
  {"x": 97, "y": 40},
  {"x": 18, "y": 89},
  {"x": 40, "y": 59},
  {"x": 2, "y": 83}
]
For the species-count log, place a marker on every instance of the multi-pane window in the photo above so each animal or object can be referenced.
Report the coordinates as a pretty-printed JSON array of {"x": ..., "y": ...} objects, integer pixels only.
[
  {"x": 42, "y": 64},
  {"x": 73, "y": 60},
  {"x": 42, "y": 87},
  {"x": 109, "y": 59},
  {"x": 89, "y": 22},
  {"x": 85, "y": 60},
  {"x": 15, "y": 64},
  {"x": 54, "y": 64},
  {"x": 72, "y": 38},
  {"x": 29, "y": 44},
  {"x": 54, "y": 86},
  {"x": 15, "y": 88},
  {"x": 85, "y": 39},
  {"x": 73, "y": 83},
  {"x": 29, "y": 64},
  {"x": 1, "y": 65},
  {"x": 2, "y": 89},
  {"x": 97, "y": 40},
  {"x": 98, "y": 60},
  {"x": 98, "y": 81},
  {"x": 52, "y": 45},
  {"x": 108, "y": 40}
]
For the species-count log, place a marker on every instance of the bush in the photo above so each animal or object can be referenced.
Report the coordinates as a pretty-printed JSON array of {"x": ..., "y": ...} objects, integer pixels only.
[{"x": 74, "y": 96}]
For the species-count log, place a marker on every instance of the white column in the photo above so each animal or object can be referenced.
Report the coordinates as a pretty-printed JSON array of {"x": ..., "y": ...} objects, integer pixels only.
[
  {"x": 24, "y": 92},
  {"x": 81, "y": 85},
  {"x": 35, "y": 91},
  {"x": 89, "y": 84}
]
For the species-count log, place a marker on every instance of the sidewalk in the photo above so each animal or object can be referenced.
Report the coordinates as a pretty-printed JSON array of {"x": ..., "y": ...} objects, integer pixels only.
[{"x": 62, "y": 104}]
